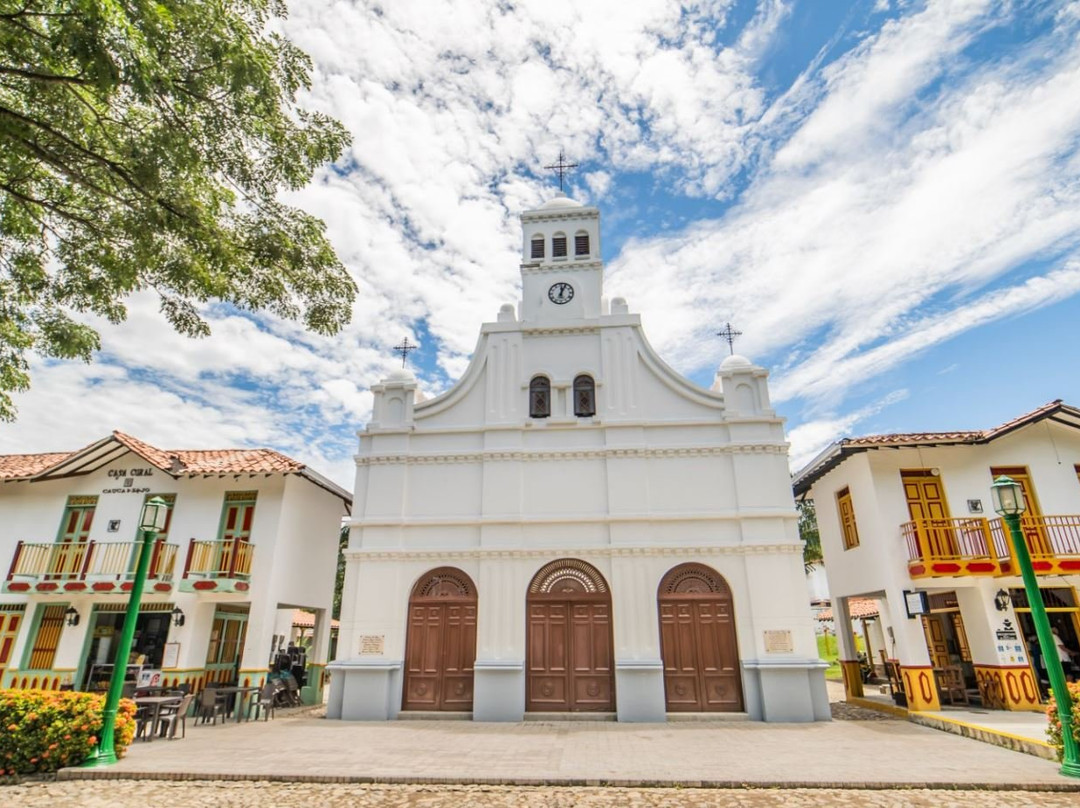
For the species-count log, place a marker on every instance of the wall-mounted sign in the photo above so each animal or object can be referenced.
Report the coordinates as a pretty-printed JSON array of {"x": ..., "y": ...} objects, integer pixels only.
[
  {"x": 778, "y": 641},
  {"x": 916, "y": 603},
  {"x": 171, "y": 657},
  {"x": 372, "y": 644},
  {"x": 114, "y": 525},
  {"x": 975, "y": 506},
  {"x": 118, "y": 473},
  {"x": 149, "y": 677},
  {"x": 1007, "y": 632}
]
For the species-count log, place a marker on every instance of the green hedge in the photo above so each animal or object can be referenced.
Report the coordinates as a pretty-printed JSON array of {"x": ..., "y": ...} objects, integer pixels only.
[
  {"x": 1053, "y": 731},
  {"x": 44, "y": 730}
]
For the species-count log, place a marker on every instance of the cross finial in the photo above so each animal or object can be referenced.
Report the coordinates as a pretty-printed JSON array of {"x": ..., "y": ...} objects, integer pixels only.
[
  {"x": 404, "y": 349},
  {"x": 561, "y": 167},
  {"x": 729, "y": 334}
]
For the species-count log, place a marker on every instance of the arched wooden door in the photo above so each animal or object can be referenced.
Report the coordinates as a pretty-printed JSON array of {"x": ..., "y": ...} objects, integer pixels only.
[
  {"x": 440, "y": 645},
  {"x": 697, "y": 642},
  {"x": 569, "y": 656}
]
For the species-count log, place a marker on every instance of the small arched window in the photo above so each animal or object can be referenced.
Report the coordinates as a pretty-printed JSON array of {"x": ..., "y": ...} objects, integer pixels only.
[
  {"x": 537, "y": 247},
  {"x": 539, "y": 397},
  {"x": 581, "y": 243},
  {"x": 558, "y": 245},
  {"x": 584, "y": 396}
]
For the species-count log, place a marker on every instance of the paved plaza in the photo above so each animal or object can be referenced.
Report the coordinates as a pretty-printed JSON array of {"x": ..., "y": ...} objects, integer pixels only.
[
  {"x": 303, "y": 747},
  {"x": 128, "y": 794}
]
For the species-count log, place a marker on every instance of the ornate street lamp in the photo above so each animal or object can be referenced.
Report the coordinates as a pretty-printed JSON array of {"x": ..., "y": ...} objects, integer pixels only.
[
  {"x": 1008, "y": 499},
  {"x": 154, "y": 514}
]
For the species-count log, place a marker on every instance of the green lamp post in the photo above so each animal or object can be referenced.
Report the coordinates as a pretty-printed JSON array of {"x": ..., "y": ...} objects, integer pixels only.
[
  {"x": 152, "y": 522},
  {"x": 1009, "y": 503}
]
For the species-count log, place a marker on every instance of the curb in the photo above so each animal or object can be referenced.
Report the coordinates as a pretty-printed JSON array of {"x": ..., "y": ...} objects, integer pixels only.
[
  {"x": 1016, "y": 743},
  {"x": 718, "y": 785}
]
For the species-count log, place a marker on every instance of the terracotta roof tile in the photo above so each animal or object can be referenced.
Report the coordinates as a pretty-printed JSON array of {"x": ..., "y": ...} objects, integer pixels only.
[
  {"x": 234, "y": 461},
  {"x": 302, "y": 619},
  {"x": 19, "y": 466},
  {"x": 857, "y": 607}
]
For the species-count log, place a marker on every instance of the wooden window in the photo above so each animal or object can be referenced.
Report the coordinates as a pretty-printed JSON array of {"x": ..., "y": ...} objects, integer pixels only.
[
  {"x": 537, "y": 249},
  {"x": 50, "y": 627},
  {"x": 78, "y": 519},
  {"x": 581, "y": 244},
  {"x": 847, "y": 518},
  {"x": 539, "y": 397},
  {"x": 238, "y": 515},
  {"x": 10, "y": 619},
  {"x": 558, "y": 245},
  {"x": 584, "y": 396}
]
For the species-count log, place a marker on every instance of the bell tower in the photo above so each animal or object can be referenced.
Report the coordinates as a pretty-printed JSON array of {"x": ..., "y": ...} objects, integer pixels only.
[{"x": 562, "y": 276}]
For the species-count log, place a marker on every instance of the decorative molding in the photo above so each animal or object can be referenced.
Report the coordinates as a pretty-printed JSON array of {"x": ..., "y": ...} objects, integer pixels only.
[
  {"x": 559, "y": 331},
  {"x": 617, "y": 452},
  {"x": 571, "y": 265},
  {"x": 518, "y": 519},
  {"x": 493, "y": 553}
]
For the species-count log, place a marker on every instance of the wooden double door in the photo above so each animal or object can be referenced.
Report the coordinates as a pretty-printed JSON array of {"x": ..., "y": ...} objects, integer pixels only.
[
  {"x": 569, "y": 645},
  {"x": 698, "y": 643},
  {"x": 440, "y": 646}
]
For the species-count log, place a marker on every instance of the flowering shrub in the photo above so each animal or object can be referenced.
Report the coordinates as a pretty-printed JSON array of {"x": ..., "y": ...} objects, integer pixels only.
[
  {"x": 44, "y": 730},
  {"x": 1053, "y": 731}
]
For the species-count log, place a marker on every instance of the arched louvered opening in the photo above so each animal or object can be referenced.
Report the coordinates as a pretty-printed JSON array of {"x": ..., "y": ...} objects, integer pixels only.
[
  {"x": 539, "y": 397},
  {"x": 581, "y": 244},
  {"x": 584, "y": 396},
  {"x": 558, "y": 245},
  {"x": 536, "y": 247}
]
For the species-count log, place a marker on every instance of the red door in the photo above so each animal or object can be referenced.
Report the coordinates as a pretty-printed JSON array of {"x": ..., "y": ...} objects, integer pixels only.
[
  {"x": 440, "y": 645},
  {"x": 569, "y": 643},
  {"x": 698, "y": 643}
]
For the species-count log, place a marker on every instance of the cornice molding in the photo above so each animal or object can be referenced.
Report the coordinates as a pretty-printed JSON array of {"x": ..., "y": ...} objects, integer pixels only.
[
  {"x": 521, "y": 520},
  {"x": 600, "y": 453},
  {"x": 553, "y": 267},
  {"x": 558, "y": 330},
  {"x": 484, "y": 553}
]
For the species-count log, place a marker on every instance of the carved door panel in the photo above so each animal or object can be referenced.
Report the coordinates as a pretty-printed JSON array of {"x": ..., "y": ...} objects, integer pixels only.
[
  {"x": 936, "y": 642},
  {"x": 698, "y": 642},
  {"x": 440, "y": 644},
  {"x": 570, "y": 666}
]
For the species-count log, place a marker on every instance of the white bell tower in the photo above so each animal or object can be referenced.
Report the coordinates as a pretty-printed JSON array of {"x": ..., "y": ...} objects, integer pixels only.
[{"x": 562, "y": 277}]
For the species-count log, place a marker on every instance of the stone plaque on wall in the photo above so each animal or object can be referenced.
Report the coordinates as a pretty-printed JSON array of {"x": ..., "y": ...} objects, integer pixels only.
[
  {"x": 778, "y": 642},
  {"x": 372, "y": 644}
]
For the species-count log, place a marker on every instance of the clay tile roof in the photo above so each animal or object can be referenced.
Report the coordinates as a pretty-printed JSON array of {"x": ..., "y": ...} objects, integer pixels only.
[
  {"x": 835, "y": 453},
  {"x": 857, "y": 607},
  {"x": 158, "y": 457},
  {"x": 234, "y": 461},
  {"x": 302, "y": 619},
  {"x": 20, "y": 466}
]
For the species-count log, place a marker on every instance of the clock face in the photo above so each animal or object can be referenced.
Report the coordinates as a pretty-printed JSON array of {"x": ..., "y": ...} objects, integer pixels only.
[{"x": 560, "y": 293}]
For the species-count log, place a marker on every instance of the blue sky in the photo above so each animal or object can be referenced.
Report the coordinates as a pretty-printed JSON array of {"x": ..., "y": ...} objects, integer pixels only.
[{"x": 883, "y": 196}]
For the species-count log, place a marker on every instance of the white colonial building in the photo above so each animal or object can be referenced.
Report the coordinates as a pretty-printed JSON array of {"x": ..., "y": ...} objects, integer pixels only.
[
  {"x": 251, "y": 535},
  {"x": 573, "y": 526},
  {"x": 906, "y": 521}
]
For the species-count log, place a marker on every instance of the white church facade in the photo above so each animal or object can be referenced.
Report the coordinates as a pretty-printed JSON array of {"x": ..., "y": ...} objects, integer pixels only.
[{"x": 573, "y": 527}]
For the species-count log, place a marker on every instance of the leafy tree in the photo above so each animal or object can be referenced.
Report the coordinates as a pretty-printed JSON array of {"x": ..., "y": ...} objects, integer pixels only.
[
  {"x": 339, "y": 580},
  {"x": 808, "y": 532},
  {"x": 143, "y": 146}
]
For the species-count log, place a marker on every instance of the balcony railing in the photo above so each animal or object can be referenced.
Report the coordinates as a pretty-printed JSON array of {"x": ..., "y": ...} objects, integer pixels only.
[
  {"x": 79, "y": 566},
  {"x": 1053, "y": 542},
  {"x": 221, "y": 566},
  {"x": 977, "y": 546}
]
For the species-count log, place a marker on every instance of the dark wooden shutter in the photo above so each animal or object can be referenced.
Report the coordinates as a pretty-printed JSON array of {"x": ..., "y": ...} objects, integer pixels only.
[
  {"x": 558, "y": 247},
  {"x": 581, "y": 244}
]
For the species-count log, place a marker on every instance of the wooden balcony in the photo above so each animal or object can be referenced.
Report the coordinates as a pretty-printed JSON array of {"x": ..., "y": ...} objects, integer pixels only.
[
  {"x": 977, "y": 546},
  {"x": 1053, "y": 541},
  {"x": 217, "y": 566},
  {"x": 100, "y": 567},
  {"x": 948, "y": 547}
]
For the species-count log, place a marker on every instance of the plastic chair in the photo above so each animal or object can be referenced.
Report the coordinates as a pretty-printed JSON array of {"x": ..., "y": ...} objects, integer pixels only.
[
  {"x": 265, "y": 702},
  {"x": 210, "y": 706},
  {"x": 171, "y": 715}
]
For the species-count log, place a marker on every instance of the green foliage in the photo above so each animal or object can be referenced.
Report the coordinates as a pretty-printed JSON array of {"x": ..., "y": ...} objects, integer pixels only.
[
  {"x": 339, "y": 581},
  {"x": 1053, "y": 730},
  {"x": 808, "y": 532},
  {"x": 42, "y": 730},
  {"x": 143, "y": 145}
]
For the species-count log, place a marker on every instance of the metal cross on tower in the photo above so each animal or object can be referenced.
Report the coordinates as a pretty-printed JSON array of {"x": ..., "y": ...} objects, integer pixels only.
[
  {"x": 730, "y": 335},
  {"x": 404, "y": 349},
  {"x": 561, "y": 167}
]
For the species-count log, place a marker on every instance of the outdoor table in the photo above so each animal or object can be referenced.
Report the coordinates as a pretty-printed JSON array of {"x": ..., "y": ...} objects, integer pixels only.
[
  {"x": 241, "y": 696},
  {"x": 155, "y": 703}
]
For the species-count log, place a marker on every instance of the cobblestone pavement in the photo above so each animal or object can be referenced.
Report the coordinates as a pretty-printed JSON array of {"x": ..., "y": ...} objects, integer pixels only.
[{"x": 140, "y": 794}]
